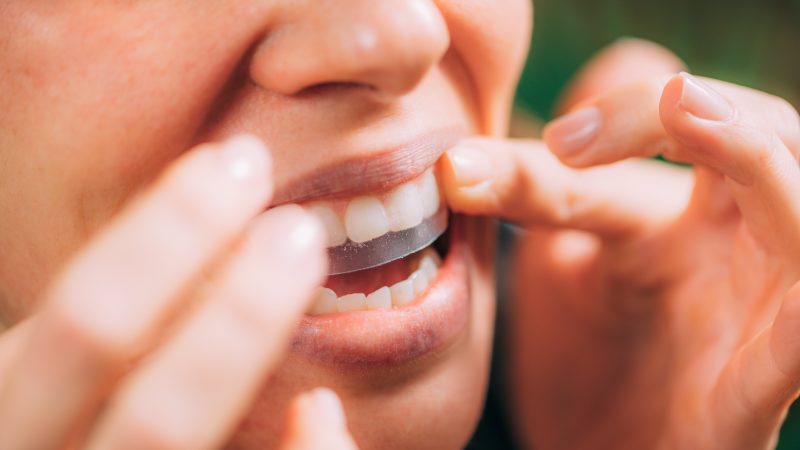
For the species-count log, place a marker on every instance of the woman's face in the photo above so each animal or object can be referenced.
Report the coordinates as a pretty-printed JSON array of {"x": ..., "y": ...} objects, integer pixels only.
[{"x": 353, "y": 97}]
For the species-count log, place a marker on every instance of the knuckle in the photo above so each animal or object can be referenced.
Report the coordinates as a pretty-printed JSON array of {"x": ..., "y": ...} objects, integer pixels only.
[{"x": 573, "y": 202}]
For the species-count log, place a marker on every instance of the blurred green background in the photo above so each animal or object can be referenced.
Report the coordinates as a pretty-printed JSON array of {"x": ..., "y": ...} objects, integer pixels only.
[{"x": 752, "y": 43}]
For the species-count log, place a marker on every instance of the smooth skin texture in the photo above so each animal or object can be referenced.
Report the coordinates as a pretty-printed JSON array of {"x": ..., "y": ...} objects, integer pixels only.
[
  {"x": 669, "y": 320},
  {"x": 149, "y": 299}
]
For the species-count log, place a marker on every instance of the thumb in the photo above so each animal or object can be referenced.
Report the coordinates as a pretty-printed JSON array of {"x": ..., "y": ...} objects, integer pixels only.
[{"x": 316, "y": 421}]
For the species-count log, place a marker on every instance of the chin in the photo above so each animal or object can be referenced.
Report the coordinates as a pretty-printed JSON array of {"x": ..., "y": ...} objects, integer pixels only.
[{"x": 412, "y": 376}]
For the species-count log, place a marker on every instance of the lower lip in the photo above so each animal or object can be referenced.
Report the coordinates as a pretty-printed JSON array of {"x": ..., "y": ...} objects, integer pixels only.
[{"x": 374, "y": 339}]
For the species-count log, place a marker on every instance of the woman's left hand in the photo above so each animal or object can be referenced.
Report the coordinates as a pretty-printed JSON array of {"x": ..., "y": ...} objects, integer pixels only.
[{"x": 669, "y": 320}]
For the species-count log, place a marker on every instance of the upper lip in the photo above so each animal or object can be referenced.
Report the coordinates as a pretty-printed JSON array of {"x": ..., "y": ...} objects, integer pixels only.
[{"x": 377, "y": 172}]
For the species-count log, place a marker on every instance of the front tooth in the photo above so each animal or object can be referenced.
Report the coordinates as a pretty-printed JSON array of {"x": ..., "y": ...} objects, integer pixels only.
[
  {"x": 402, "y": 293},
  {"x": 365, "y": 219},
  {"x": 352, "y": 302},
  {"x": 403, "y": 208},
  {"x": 380, "y": 299},
  {"x": 325, "y": 303},
  {"x": 419, "y": 281},
  {"x": 333, "y": 225},
  {"x": 429, "y": 193}
]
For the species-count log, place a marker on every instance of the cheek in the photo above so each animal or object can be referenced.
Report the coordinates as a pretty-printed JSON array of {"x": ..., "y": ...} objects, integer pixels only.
[
  {"x": 441, "y": 404},
  {"x": 101, "y": 99}
]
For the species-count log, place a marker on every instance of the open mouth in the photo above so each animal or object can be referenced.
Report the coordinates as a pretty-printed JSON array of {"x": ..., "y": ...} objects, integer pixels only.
[
  {"x": 399, "y": 284},
  {"x": 380, "y": 247}
]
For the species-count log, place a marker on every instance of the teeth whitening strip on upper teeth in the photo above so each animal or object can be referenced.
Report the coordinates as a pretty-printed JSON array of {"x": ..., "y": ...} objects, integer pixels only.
[
  {"x": 352, "y": 256},
  {"x": 372, "y": 230}
]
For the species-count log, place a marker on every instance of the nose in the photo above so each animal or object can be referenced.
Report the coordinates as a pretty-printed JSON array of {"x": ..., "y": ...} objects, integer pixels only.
[{"x": 386, "y": 45}]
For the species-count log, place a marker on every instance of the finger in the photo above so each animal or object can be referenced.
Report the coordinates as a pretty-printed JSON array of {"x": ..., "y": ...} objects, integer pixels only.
[
  {"x": 523, "y": 182},
  {"x": 625, "y": 61},
  {"x": 621, "y": 123},
  {"x": 728, "y": 135},
  {"x": 115, "y": 293},
  {"x": 316, "y": 421},
  {"x": 627, "y": 121},
  {"x": 758, "y": 385},
  {"x": 742, "y": 136},
  {"x": 204, "y": 378}
]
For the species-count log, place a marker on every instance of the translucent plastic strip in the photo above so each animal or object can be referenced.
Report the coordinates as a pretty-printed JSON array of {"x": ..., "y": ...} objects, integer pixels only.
[{"x": 352, "y": 256}]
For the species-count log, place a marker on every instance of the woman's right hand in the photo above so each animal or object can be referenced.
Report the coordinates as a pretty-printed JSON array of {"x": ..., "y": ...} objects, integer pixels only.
[{"x": 159, "y": 333}]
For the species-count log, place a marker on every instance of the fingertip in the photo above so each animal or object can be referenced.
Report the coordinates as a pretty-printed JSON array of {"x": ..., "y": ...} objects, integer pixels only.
[
  {"x": 466, "y": 166},
  {"x": 247, "y": 159},
  {"x": 670, "y": 97},
  {"x": 688, "y": 95},
  {"x": 317, "y": 420},
  {"x": 697, "y": 117},
  {"x": 467, "y": 172},
  {"x": 254, "y": 144},
  {"x": 624, "y": 61},
  {"x": 295, "y": 237},
  {"x": 328, "y": 405}
]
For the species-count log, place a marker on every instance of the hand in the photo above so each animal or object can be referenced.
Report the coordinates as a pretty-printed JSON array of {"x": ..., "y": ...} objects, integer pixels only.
[
  {"x": 160, "y": 332},
  {"x": 650, "y": 311}
]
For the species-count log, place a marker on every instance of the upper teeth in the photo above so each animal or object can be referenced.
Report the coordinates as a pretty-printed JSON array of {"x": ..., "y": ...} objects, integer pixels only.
[
  {"x": 364, "y": 218},
  {"x": 399, "y": 294}
]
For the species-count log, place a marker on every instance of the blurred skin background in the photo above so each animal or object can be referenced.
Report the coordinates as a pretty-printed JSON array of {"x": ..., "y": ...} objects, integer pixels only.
[{"x": 754, "y": 43}]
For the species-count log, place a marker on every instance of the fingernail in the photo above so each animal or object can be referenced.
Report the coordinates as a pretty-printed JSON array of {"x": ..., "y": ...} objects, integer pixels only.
[
  {"x": 700, "y": 100},
  {"x": 470, "y": 165},
  {"x": 245, "y": 157},
  {"x": 327, "y": 403},
  {"x": 574, "y": 132}
]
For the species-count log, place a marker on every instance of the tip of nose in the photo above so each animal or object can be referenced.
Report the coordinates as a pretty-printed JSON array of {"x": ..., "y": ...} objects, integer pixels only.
[{"x": 388, "y": 51}]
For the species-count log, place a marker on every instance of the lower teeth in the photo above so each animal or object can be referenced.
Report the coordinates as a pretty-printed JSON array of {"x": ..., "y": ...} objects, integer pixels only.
[{"x": 397, "y": 295}]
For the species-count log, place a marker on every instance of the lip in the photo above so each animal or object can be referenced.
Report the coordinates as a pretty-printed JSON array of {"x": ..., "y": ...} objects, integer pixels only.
[
  {"x": 371, "y": 171},
  {"x": 378, "y": 339}
]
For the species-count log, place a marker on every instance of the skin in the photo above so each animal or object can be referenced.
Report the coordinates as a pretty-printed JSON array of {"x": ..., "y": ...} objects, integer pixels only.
[
  {"x": 116, "y": 225},
  {"x": 643, "y": 279},
  {"x": 654, "y": 307}
]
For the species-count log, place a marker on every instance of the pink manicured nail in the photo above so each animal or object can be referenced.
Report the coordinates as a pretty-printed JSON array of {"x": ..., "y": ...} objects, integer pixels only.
[
  {"x": 699, "y": 100},
  {"x": 327, "y": 403},
  {"x": 574, "y": 132},
  {"x": 245, "y": 157},
  {"x": 470, "y": 165}
]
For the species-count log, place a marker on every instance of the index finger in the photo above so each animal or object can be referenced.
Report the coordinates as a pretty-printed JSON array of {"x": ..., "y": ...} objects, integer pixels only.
[
  {"x": 206, "y": 376},
  {"x": 112, "y": 298}
]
